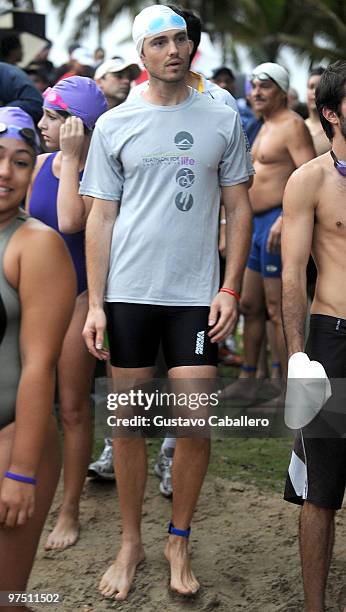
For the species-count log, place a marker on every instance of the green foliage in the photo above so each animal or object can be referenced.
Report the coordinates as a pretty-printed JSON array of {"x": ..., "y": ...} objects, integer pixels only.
[
  {"x": 313, "y": 28},
  {"x": 104, "y": 11},
  {"x": 262, "y": 462},
  {"x": 25, "y": 5}
]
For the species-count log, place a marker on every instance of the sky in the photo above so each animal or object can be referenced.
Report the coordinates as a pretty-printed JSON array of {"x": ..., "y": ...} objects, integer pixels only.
[{"x": 120, "y": 30}]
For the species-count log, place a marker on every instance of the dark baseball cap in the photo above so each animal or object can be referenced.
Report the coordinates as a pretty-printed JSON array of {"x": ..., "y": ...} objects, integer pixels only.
[{"x": 222, "y": 69}]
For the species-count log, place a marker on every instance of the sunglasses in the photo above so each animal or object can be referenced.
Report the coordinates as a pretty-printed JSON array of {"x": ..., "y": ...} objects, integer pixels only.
[
  {"x": 339, "y": 165},
  {"x": 53, "y": 98},
  {"x": 27, "y": 134}
]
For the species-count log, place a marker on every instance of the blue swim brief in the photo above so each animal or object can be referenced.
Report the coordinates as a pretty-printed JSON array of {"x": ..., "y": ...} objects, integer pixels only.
[{"x": 267, "y": 264}]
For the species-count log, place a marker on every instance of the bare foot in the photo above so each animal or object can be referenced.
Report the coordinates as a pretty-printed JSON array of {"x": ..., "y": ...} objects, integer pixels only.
[
  {"x": 183, "y": 580},
  {"x": 64, "y": 534},
  {"x": 244, "y": 391},
  {"x": 119, "y": 576},
  {"x": 272, "y": 406},
  {"x": 342, "y": 599}
]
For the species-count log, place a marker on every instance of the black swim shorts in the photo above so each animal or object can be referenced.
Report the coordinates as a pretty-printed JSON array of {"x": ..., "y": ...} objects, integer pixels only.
[
  {"x": 317, "y": 471},
  {"x": 136, "y": 330}
]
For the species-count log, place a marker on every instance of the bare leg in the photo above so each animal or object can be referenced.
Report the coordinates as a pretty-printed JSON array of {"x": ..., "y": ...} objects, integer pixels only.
[
  {"x": 130, "y": 464},
  {"x": 262, "y": 363},
  {"x": 275, "y": 357},
  {"x": 18, "y": 545},
  {"x": 272, "y": 288},
  {"x": 75, "y": 372},
  {"x": 187, "y": 484},
  {"x": 316, "y": 546},
  {"x": 253, "y": 307}
]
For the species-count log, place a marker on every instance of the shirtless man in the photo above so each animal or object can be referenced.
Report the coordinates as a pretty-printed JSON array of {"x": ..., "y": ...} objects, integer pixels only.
[
  {"x": 314, "y": 220},
  {"x": 320, "y": 140},
  {"x": 145, "y": 215},
  {"x": 282, "y": 145}
]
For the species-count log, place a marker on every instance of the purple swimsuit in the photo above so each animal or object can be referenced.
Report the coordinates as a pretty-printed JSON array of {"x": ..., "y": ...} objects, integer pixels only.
[{"x": 43, "y": 206}]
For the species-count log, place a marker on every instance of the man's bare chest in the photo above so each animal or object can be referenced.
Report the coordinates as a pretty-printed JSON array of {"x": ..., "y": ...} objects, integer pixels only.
[
  {"x": 270, "y": 146},
  {"x": 331, "y": 208}
]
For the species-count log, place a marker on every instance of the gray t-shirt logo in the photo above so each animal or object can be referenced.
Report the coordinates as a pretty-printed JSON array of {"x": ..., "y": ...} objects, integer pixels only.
[
  {"x": 184, "y": 141},
  {"x": 184, "y": 201},
  {"x": 185, "y": 177}
]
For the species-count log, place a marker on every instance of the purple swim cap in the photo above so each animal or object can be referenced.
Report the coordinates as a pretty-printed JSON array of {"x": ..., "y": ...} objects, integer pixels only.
[
  {"x": 16, "y": 123},
  {"x": 79, "y": 96}
]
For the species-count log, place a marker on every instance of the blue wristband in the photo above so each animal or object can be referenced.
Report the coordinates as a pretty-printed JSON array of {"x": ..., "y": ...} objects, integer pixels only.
[
  {"x": 248, "y": 368},
  {"x": 20, "y": 478}
]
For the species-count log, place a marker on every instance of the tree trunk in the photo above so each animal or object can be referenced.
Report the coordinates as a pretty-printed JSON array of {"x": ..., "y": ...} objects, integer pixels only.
[{"x": 99, "y": 25}]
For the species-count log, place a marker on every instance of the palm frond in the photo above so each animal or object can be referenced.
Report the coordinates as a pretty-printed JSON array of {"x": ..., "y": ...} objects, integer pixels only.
[{"x": 263, "y": 26}]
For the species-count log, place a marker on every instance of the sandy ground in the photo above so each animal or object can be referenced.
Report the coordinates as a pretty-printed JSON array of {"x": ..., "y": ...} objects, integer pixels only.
[{"x": 244, "y": 549}]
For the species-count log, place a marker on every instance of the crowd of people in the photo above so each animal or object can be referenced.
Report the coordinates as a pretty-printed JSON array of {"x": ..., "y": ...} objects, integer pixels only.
[{"x": 159, "y": 209}]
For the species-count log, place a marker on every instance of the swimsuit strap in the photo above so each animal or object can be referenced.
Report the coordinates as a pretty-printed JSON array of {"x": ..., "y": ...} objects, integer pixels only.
[{"x": 7, "y": 232}]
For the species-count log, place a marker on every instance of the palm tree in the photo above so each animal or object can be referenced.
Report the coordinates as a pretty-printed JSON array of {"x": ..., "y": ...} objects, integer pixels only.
[
  {"x": 103, "y": 11},
  {"x": 314, "y": 28},
  {"x": 25, "y": 5},
  {"x": 328, "y": 30}
]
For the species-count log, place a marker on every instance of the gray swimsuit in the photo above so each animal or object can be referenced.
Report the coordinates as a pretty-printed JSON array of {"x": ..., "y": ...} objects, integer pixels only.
[{"x": 10, "y": 365}]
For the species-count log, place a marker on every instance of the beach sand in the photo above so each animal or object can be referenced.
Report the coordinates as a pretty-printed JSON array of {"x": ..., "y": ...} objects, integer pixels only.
[{"x": 244, "y": 553}]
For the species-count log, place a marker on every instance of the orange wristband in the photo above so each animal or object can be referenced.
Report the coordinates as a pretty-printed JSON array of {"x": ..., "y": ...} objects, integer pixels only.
[{"x": 230, "y": 292}]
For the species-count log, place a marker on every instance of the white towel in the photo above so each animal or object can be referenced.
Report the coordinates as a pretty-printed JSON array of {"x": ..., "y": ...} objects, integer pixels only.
[{"x": 308, "y": 389}]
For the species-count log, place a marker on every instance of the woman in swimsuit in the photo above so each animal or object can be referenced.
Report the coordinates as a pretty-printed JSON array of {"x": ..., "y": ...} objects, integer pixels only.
[
  {"x": 70, "y": 111},
  {"x": 37, "y": 297}
]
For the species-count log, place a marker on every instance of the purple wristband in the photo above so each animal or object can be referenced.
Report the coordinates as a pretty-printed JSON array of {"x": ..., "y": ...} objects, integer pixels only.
[{"x": 20, "y": 478}]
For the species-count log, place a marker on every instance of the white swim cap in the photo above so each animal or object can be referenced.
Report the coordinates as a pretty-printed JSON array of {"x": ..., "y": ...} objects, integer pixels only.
[
  {"x": 154, "y": 20},
  {"x": 272, "y": 71}
]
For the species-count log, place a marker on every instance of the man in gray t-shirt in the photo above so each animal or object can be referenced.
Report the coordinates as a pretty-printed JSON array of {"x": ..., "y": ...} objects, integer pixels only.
[
  {"x": 160, "y": 163},
  {"x": 155, "y": 168}
]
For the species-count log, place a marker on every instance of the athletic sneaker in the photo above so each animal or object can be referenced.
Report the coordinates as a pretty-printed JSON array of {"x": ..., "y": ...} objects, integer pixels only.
[
  {"x": 103, "y": 467},
  {"x": 163, "y": 469}
]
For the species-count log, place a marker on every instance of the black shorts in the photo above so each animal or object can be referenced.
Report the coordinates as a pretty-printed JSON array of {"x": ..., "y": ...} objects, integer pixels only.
[
  {"x": 136, "y": 330},
  {"x": 317, "y": 472}
]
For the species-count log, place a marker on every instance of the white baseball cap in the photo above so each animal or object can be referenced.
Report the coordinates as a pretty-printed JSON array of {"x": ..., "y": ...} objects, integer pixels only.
[
  {"x": 272, "y": 71},
  {"x": 117, "y": 65},
  {"x": 155, "y": 20}
]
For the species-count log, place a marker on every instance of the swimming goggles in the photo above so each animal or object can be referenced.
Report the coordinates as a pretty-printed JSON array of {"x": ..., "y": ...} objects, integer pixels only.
[
  {"x": 339, "y": 165},
  {"x": 262, "y": 76},
  {"x": 54, "y": 98},
  {"x": 162, "y": 23},
  {"x": 26, "y": 134}
]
